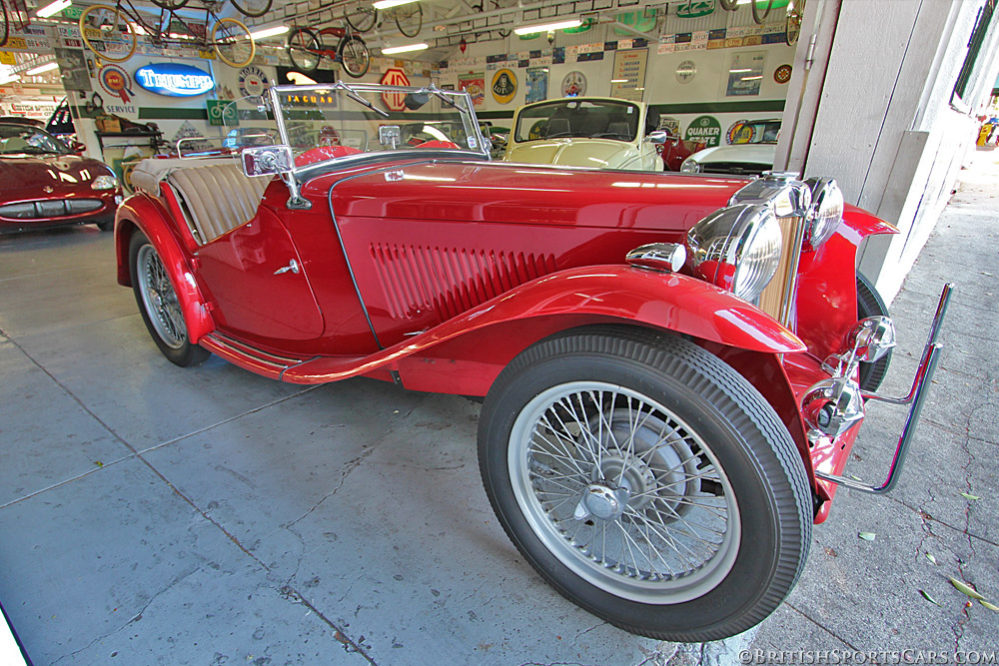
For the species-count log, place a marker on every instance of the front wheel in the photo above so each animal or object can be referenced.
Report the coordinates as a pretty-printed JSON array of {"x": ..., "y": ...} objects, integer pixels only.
[
  {"x": 108, "y": 33},
  {"x": 252, "y": 8},
  {"x": 158, "y": 303},
  {"x": 647, "y": 481},
  {"x": 304, "y": 50},
  {"x": 354, "y": 56},
  {"x": 233, "y": 43}
]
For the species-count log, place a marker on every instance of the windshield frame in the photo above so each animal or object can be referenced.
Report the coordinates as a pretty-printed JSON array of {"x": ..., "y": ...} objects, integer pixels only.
[
  {"x": 563, "y": 102},
  {"x": 461, "y": 101}
]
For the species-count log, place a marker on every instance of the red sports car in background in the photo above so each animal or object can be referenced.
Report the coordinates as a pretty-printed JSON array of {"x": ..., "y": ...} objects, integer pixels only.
[
  {"x": 47, "y": 185},
  {"x": 673, "y": 368}
]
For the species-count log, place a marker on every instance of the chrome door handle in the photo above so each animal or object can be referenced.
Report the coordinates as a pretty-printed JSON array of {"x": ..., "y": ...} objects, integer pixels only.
[{"x": 292, "y": 266}]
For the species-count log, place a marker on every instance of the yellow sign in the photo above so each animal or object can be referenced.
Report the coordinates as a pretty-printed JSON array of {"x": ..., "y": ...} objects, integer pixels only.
[
  {"x": 504, "y": 86},
  {"x": 7, "y": 58}
]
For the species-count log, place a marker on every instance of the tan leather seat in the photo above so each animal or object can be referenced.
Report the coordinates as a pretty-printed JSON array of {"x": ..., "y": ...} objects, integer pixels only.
[{"x": 215, "y": 195}]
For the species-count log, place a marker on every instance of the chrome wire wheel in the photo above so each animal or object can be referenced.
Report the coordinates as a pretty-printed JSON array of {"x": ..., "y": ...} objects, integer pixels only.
[
  {"x": 623, "y": 492},
  {"x": 160, "y": 299}
]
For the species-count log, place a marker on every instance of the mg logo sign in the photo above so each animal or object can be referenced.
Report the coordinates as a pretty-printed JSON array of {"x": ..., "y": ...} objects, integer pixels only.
[{"x": 394, "y": 77}]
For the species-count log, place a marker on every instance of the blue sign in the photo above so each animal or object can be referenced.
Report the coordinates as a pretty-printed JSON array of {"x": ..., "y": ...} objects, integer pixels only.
[{"x": 174, "y": 80}]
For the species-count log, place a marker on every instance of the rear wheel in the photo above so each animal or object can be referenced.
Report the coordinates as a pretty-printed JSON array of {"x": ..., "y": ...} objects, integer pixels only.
[
  {"x": 647, "y": 481},
  {"x": 409, "y": 19},
  {"x": 870, "y": 304},
  {"x": 361, "y": 17},
  {"x": 761, "y": 11},
  {"x": 252, "y": 8},
  {"x": 158, "y": 303}
]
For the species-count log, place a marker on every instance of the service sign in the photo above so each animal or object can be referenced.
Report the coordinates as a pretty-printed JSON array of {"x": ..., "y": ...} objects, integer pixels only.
[{"x": 174, "y": 79}]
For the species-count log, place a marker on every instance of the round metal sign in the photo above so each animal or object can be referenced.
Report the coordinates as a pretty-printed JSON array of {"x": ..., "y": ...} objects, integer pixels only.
[
  {"x": 574, "y": 84},
  {"x": 504, "y": 86}
]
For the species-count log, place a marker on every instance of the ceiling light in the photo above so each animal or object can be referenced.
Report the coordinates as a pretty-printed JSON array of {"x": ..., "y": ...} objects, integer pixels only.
[
  {"x": 53, "y": 8},
  {"x": 546, "y": 27},
  {"x": 619, "y": 80},
  {"x": 47, "y": 67},
  {"x": 387, "y": 4},
  {"x": 7, "y": 75},
  {"x": 270, "y": 32},
  {"x": 390, "y": 50}
]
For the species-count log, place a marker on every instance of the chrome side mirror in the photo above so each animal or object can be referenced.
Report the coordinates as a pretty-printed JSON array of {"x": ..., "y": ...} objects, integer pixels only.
[
  {"x": 658, "y": 137},
  {"x": 267, "y": 160}
]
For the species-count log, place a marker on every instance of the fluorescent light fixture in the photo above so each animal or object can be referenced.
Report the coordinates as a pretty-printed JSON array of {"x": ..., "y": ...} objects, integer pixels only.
[
  {"x": 751, "y": 78},
  {"x": 388, "y": 4},
  {"x": 8, "y": 77},
  {"x": 270, "y": 32},
  {"x": 406, "y": 48},
  {"x": 53, "y": 8},
  {"x": 47, "y": 67},
  {"x": 547, "y": 27},
  {"x": 740, "y": 71},
  {"x": 619, "y": 80}
]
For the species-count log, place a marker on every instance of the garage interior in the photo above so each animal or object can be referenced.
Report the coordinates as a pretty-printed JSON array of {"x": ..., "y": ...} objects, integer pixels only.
[{"x": 154, "y": 514}]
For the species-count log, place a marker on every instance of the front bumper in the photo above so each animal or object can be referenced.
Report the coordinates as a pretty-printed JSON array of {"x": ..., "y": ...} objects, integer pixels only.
[{"x": 914, "y": 399}]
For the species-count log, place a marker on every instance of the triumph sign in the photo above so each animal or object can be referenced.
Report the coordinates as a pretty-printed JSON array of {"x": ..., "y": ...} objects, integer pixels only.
[{"x": 174, "y": 80}]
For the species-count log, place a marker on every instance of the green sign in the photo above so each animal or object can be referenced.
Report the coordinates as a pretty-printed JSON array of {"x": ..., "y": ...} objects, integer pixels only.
[
  {"x": 704, "y": 129},
  {"x": 72, "y": 12},
  {"x": 695, "y": 8},
  {"x": 222, "y": 112}
]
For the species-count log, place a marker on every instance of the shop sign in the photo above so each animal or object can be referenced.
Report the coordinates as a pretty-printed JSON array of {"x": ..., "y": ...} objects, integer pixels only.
[
  {"x": 395, "y": 77},
  {"x": 222, "y": 113},
  {"x": 695, "y": 9},
  {"x": 174, "y": 79},
  {"x": 704, "y": 129}
]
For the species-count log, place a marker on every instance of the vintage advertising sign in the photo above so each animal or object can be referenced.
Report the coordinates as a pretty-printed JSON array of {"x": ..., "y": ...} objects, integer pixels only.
[
  {"x": 394, "y": 76},
  {"x": 174, "y": 79},
  {"x": 504, "y": 86},
  {"x": 629, "y": 74},
  {"x": 746, "y": 73},
  {"x": 573, "y": 84},
  {"x": 475, "y": 86},
  {"x": 704, "y": 129},
  {"x": 537, "y": 84},
  {"x": 114, "y": 80}
]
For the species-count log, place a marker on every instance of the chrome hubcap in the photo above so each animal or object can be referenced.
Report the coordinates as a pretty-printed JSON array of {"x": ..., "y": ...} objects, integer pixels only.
[{"x": 623, "y": 492}]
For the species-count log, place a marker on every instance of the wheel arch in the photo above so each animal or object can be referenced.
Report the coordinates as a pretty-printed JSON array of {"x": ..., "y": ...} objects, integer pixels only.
[{"x": 142, "y": 213}]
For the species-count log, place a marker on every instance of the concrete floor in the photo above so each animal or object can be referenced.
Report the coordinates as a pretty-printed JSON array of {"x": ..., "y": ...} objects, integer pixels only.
[{"x": 151, "y": 514}]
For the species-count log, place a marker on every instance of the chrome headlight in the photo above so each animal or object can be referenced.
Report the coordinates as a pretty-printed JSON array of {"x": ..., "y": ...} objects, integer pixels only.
[
  {"x": 104, "y": 182},
  {"x": 737, "y": 248},
  {"x": 825, "y": 213},
  {"x": 690, "y": 166}
]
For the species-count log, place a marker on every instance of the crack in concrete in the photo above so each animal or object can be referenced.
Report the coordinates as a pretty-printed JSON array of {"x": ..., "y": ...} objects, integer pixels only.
[
  {"x": 821, "y": 626},
  {"x": 657, "y": 657},
  {"x": 135, "y": 618}
]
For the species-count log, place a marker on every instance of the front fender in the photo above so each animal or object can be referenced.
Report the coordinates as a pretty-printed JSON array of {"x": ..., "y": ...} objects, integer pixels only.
[
  {"x": 574, "y": 297},
  {"x": 146, "y": 214}
]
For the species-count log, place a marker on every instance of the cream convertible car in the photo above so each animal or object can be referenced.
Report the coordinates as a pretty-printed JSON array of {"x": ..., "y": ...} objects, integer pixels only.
[{"x": 596, "y": 132}]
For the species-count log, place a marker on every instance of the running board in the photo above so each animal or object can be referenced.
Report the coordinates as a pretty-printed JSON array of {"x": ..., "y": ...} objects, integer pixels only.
[{"x": 251, "y": 358}]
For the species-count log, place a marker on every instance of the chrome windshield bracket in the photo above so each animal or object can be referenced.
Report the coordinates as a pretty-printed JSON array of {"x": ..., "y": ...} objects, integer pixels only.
[{"x": 915, "y": 398}]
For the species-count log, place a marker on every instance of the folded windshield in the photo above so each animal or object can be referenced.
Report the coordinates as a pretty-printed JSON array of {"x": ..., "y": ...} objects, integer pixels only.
[{"x": 330, "y": 122}]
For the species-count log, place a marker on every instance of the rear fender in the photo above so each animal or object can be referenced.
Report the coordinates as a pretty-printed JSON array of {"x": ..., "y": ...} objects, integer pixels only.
[{"x": 144, "y": 213}]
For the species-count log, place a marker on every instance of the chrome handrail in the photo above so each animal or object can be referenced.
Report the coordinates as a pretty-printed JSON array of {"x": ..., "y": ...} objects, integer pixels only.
[{"x": 915, "y": 398}]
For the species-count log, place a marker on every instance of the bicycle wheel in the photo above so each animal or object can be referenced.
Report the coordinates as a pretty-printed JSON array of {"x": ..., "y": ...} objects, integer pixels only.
[
  {"x": 108, "y": 33},
  {"x": 409, "y": 18},
  {"x": 354, "y": 56},
  {"x": 361, "y": 17},
  {"x": 252, "y": 8},
  {"x": 304, "y": 50},
  {"x": 4, "y": 24},
  {"x": 760, "y": 15},
  {"x": 233, "y": 43},
  {"x": 170, "y": 5},
  {"x": 729, "y": 5}
]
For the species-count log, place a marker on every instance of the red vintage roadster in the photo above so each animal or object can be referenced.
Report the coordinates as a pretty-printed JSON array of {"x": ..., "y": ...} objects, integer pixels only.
[{"x": 674, "y": 367}]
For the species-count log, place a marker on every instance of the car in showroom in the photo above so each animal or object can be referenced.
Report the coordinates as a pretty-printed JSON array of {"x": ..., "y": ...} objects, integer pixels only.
[
  {"x": 599, "y": 132},
  {"x": 673, "y": 367},
  {"x": 45, "y": 184},
  {"x": 750, "y": 151}
]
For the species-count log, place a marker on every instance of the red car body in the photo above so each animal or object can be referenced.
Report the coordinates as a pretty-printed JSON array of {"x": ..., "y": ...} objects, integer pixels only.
[
  {"x": 441, "y": 271},
  {"x": 46, "y": 185},
  {"x": 513, "y": 269}
]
